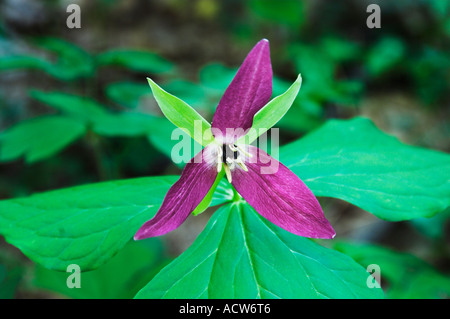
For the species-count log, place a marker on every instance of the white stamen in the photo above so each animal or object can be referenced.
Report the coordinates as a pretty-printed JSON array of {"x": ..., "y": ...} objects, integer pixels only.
[
  {"x": 241, "y": 163},
  {"x": 228, "y": 172},
  {"x": 243, "y": 151},
  {"x": 219, "y": 159}
]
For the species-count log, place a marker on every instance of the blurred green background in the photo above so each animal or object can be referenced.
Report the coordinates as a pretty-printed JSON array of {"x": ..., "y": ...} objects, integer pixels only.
[{"x": 75, "y": 108}]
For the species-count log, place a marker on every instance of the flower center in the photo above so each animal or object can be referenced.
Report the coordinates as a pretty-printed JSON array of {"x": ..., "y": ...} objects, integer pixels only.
[
  {"x": 229, "y": 152},
  {"x": 229, "y": 155}
]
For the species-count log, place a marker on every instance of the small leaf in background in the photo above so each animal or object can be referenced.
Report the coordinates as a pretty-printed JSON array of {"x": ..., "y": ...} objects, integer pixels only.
[
  {"x": 241, "y": 255},
  {"x": 191, "y": 93},
  {"x": 430, "y": 74},
  {"x": 39, "y": 138},
  {"x": 216, "y": 76},
  {"x": 320, "y": 69},
  {"x": 11, "y": 273},
  {"x": 17, "y": 62},
  {"x": 287, "y": 12},
  {"x": 141, "y": 61},
  {"x": 71, "y": 61},
  {"x": 121, "y": 277},
  {"x": 305, "y": 113},
  {"x": 354, "y": 161},
  {"x": 433, "y": 227},
  {"x": 340, "y": 49},
  {"x": 384, "y": 55},
  {"x": 161, "y": 138},
  {"x": 125, "y": 124},
  {"x": 84, "y": 225},
  {"x": 83, "y": 108},
  {"x": 407, "y": 276},
  {"x": 128, "y": 94},
  {"x": 103, "y": 121}
]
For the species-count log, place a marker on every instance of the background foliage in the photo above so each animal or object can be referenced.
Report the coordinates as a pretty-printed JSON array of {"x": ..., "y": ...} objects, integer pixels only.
[{"x": 76, "y": 108}]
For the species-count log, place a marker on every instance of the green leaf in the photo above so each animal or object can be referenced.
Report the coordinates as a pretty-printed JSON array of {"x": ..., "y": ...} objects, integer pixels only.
[
  {"x": 354, "y": 161},
  {"x": 408, "y": 276},
  {"x": 272, "y": 112},
  {"x": 191, "y": 93},
  {"x": 288, "y": 12},
  {"x": 181, "y": 114},
  {"x": 128, "y": 94},
  {"x": 103, "y": 122},
  {"x": 241, "y": 255},
  {"x": 125, "y": 124},
  {"x": 142, "y": 61},
  {"x": 39, "y": 138},
  {"x": 216, "y": 76},
  {"x": 433, "y": 227},
  {"x": 165, "y": 136},
  {"x": 80, "y": 107},
  {"x": 206, "y": 202},
  {"x": 72, "y": 62},
  {"x": 11, "y": 273},
  {"x": 16, "y": 62},
  {"x": 84, "y": 225},
  {"x": 121, "y": 277},
  {"x": 385, "y": 54}
]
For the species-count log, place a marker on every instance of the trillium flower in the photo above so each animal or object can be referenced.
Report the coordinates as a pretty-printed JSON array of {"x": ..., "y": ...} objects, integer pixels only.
[{"x": 266, "y": 184}]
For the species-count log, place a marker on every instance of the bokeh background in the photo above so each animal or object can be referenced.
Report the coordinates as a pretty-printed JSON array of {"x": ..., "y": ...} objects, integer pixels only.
[{"x": 398, "y": 75}]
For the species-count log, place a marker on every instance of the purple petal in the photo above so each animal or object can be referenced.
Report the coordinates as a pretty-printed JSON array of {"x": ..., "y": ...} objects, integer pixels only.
[
  {"x": 280, "y": 196},
  {"x": 249, "y": 91},
  {"x": 182, "y": 198}
]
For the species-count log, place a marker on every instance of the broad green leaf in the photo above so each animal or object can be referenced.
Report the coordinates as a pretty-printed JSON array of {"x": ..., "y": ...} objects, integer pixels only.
[
  {"x": 83, "y": 108},
  {"x": 128, "y": 94},
  {"x": 354, "y": 161},
  {"x": 142, "y": 61},
  {"x": 272, "y": 112},
  {"x": 39, "y": 138},
  {"x": 241, "y": 255},
  {"x": 121, "y": 277},
  {"x": 84, "y": 225},
  {"x": 407, "y": 276},
  {"x": 181, "y": 114}
]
